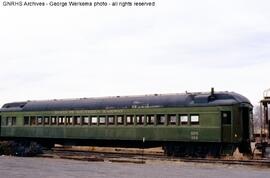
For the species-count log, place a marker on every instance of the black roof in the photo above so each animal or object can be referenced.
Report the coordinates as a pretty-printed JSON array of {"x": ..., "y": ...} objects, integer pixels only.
[{"x": 123, "y": 102}]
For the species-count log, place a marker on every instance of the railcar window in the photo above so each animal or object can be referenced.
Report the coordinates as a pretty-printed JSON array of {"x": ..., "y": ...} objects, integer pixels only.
[
  {"x": 150, "y": 119},
  {"x": 61, "y": 120},
  {"x": 33, "y": 120},
  {"x": 46, "y": 120},
  {"x": 69, "y": 120},
  {"x": 13, "y": 120},
  {"x": 194, "y": 119},
  {"x": 53, "y": 120},
  {"x": 39, "y": 120},
  {"x": 120, "y": 120},
  {"x": 184, "y": 119},
  {"x": 172, "y": 119},
  {"x": 9, "y": 121},
  {"x": 139, "y": 120},
  {"x": 111, "y": 119},
  {"x": 26, "y": 120},
  {"x": 85, "y": 120},
  {"x": 94, "y": 120},
  {"x": 160, "y": 119},
  {"x": 77, "y": 120},
  {"x": 226, "y": 117},
  {"x": 130, "y": 120},
  {"x": 102, "y": 120}
]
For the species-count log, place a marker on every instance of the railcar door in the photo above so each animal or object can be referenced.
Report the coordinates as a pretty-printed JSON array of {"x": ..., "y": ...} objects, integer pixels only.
[
  {"x": 246, "y": 124},
  {"x": 246, "y": 130},
  {"x": 0, "y": 124},
  {"x": 226, "y": 126}
]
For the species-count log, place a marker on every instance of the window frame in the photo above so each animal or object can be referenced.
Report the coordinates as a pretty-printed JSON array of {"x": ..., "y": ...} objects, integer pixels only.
[
  {"x": 130, "y": 119},
  {"x": 85, "y": 120},
  {"x": 8, "y": 121},
  {"x": 69, "y": 120},
  {"x": 14, "y": 120},
  {"x": 141, "y": 119},
  {"x": 150, "y": 119},
  {"x": 111, "y": 119},
  {"x": 53, "y": 120},
  {"x": 120, "y": 120},
  {"x": 33, "y": 120},
  {"x": 92, "y": 119},
  {"x": 77, "y": 120},
  {"x": 39, "y": 120},
  {"x": 103, "y": 121},
  {"x": 182, "y": 121},
  {"x": 169, "y": 119},
  {"x": 26, "y": 118},
  {"x": 45, "y": 121},
  {"x": 224, "y": 120},
  {"x": 61, "y": 120},
  {"x": 160, "y": 119},
  {"x": 197, "y": 121}
]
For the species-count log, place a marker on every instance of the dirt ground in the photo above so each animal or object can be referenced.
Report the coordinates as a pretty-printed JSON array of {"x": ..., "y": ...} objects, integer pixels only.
[{"x": 17, "y": 167}]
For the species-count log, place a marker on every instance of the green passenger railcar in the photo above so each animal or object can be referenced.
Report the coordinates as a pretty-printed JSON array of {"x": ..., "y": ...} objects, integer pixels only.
[{"x": 184, "y": 124}]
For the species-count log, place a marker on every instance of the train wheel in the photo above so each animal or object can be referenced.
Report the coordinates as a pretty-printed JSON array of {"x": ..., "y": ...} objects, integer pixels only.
[{"x": 245, "y": 148}]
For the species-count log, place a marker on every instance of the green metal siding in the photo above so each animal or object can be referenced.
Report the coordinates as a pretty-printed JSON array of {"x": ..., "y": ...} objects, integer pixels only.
[
  {"x": 116, "y": 133},
  {"x": 208, "y": 130}
]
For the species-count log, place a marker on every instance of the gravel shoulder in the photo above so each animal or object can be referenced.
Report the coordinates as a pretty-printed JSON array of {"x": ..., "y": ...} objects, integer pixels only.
[{"x": 16, "y": 167}]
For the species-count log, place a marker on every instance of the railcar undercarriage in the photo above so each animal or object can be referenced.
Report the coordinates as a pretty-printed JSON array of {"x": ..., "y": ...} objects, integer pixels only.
[{"x": 178, "y": 149}]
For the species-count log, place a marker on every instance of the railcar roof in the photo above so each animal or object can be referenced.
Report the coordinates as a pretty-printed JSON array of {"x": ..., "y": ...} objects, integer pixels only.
[{"x": 123, "y": 102}]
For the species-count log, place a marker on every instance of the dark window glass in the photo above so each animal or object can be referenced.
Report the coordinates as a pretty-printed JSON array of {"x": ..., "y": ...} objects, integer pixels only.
[
  {"x": 61, "y": 120},
  {"x": 102, "y": 120},
  {"x": 39, "y": 120},
  {"x": 53, "y": 120},
  {"x": 69, "y": 120},
  {"x": 46, "y": 120},
  {"x": 13, "y": 120},
  {"x": 150, "y": 119},
  {"x": 85, "y": 120},
  {"x": 130, "y": 120},
  {"x": 160, "y": 119},
  {"x": 9, "y": 121},
  {"x": 77, "y": 120},
  {"x": 139, "y": 120},
  {"x": 120, "y": 120},
  {"x": 226, "y": 117},
  {"x": 172, "y": 119},
  {"x": 33, "y": 120},
  {"x": 111, "y": 120},
  {"x": 26, "y": 120}
]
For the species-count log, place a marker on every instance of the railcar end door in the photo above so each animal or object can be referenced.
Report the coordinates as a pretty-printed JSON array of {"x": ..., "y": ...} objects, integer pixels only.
[
  {"x": 0, "y": 124},
  {"x": 226, "y": 126}
]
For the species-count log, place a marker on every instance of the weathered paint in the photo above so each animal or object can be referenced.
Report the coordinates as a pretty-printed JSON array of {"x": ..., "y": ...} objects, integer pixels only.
[{"x": 209, "y": 129}]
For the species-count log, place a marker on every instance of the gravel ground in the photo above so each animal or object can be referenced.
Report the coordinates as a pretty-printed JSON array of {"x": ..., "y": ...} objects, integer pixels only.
[{"x": 15, "y": 167}]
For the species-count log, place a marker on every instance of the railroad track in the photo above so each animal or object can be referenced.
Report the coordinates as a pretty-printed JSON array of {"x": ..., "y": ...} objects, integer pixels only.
[
  {"x": 251, "y": 162},
  {"x": 141, "y": 156}
]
